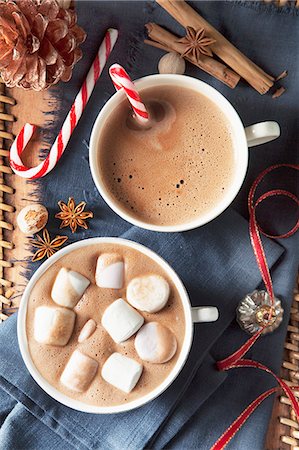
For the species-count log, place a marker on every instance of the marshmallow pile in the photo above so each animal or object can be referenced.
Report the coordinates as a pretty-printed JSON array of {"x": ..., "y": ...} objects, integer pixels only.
[
  {"x": 53, "y": 325},
  {"x": 154, "y": 342}
]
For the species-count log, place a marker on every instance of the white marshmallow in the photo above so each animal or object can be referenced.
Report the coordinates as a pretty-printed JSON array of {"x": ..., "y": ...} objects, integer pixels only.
[
  {"x": 148, "y": 293},
  {"x": 68, "y": 287},
  {"x": 110, "y": 271},
  {"x": 53, "y": 326},
  {"x": 79, "y": 372},
  {"x": 122, "y": 372},
  {"x": 121, "y": 321},
  {"x": 87, "y": 330},
  {"x": 155, "y": 343}
]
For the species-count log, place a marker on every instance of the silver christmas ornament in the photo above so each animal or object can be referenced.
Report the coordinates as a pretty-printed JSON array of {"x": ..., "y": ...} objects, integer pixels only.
[{"x": 253, "y": 312}]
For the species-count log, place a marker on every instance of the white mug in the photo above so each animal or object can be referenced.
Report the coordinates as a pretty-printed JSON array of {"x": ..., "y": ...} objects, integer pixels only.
[
  {"x": 259, "y": 133},
  {"x": 192, "y": 315}
]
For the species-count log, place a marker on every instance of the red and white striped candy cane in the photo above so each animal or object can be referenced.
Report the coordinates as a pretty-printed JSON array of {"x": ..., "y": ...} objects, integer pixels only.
[
  {"x": 70, "y": 122},
  {"x": 120, "y": 80}
]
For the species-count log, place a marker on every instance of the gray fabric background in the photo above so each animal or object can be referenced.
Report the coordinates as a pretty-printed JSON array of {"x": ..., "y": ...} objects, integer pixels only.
[{"x": 215, "y": 262}]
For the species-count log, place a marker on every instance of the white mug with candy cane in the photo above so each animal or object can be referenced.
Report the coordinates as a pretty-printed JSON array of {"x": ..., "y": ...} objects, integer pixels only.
[{"x": 243, "y": 138}]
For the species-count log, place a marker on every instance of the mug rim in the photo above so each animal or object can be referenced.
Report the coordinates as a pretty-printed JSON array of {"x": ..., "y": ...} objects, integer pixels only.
[
  {"x": 77, "y": 404},
  {"x": 234, "y": 120}
]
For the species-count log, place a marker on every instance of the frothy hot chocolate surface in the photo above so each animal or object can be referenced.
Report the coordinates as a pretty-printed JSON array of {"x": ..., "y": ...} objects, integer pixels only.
[
  {"x": 51, "y": 360},
  {"x": 175, "y": 170}
]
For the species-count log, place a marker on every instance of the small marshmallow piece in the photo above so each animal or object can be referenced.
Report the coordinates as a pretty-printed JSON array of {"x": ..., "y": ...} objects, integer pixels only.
[
  {"x": 121, "y": 321},
  {"x": 53, "y": 326},
  {"x": 68, "y": 287},
  {"x": 110, "y": 271},
  {"x": 122, "y": 372},
  {"x": 148, "y": 293},
  {"x": 155, "y": 343},
  {"x": 79, "y": 372},
  {"x": 87, "y": 330}
]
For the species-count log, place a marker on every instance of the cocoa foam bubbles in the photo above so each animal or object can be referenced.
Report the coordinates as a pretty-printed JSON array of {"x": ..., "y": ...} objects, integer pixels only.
[
  {"x": 177, "y": 169},
  {"x": 99, "y": 342}
]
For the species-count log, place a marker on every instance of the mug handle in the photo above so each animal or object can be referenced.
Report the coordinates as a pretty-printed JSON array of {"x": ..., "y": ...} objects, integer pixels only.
[
  {"x": 204, "y": 314},
  {"x": 262, "y": 132}
]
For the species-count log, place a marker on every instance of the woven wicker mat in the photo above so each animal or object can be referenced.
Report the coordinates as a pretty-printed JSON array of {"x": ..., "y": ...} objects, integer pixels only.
[
  {"x": 5, "y": 190},
  {"x": 16, "y": 192},
  {"x": 283, "y": 432}
]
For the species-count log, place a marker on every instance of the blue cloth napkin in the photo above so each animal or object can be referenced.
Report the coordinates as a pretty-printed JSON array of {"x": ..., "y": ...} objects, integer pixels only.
[
  {"x": 201, "y": 257},
  {"x": 215, "y": 262}
]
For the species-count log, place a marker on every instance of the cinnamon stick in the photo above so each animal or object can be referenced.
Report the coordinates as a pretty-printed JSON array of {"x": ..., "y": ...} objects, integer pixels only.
[
  {"x": 282, "y": 75},
  {"x": 169, "y": 42},
  {"x": 279, "y": 92},
  {"x": 157, "y": 45},
  {"x": 227, "y": 52}
]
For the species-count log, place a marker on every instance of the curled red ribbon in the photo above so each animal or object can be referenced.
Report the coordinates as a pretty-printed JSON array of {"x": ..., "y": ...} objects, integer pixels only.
[{"x": 236, "y": 360}]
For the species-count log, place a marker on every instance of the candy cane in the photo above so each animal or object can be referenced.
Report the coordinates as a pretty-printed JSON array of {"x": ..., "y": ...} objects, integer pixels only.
[
  {"x": 70, "y": 122},
  {"x": 121, "y": 79}
]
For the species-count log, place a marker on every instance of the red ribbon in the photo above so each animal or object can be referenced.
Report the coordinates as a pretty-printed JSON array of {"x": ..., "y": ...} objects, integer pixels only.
[{"x": 236, "y": 360}]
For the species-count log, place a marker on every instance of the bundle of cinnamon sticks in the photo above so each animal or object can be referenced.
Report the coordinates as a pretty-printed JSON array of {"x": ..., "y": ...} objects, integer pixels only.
[{"x": 233, "y": 65}]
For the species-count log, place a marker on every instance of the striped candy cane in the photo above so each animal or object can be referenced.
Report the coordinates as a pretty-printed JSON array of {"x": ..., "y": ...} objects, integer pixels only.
[
  {"x": 121, "y": 79},
  {"x": 70, "y": 122}
]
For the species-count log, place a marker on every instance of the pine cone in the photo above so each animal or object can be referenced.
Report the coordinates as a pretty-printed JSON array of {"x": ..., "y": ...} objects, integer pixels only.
[{"x": 39, "y": 43}]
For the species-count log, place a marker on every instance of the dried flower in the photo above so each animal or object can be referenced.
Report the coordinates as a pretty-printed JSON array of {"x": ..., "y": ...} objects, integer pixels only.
[
  {"x": 47, "y": 246},
  {"x": 72, "y": 215},
  {"x": 196, "y": 43}
]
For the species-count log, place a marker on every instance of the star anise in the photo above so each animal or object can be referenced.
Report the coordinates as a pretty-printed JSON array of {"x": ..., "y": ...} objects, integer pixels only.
[
  {"x": 47, "y": 246},
  {"x": 72, "y": 215},
  {"x": 197, "y": 43}
]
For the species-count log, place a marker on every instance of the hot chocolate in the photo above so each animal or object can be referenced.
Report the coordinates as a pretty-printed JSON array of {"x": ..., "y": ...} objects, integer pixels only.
[
  {"x": 175, "y": 169},
  {"x": 90, "y": 333}
]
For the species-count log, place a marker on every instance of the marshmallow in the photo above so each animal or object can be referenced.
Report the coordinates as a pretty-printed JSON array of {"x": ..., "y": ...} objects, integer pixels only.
[
  {"x": 122, "y": 372},
  {"x": 53, "y": 326},
  {"x": 121, "y": 321},
  {"x": 155, "y": 343},
  {"x": 148, "y": 293},
  {"x": 88, "y": 329},
  {"x": 68, "y": 288},
  {"x": 79, "y": 372},
  {"x": 110, "y": 271}
]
